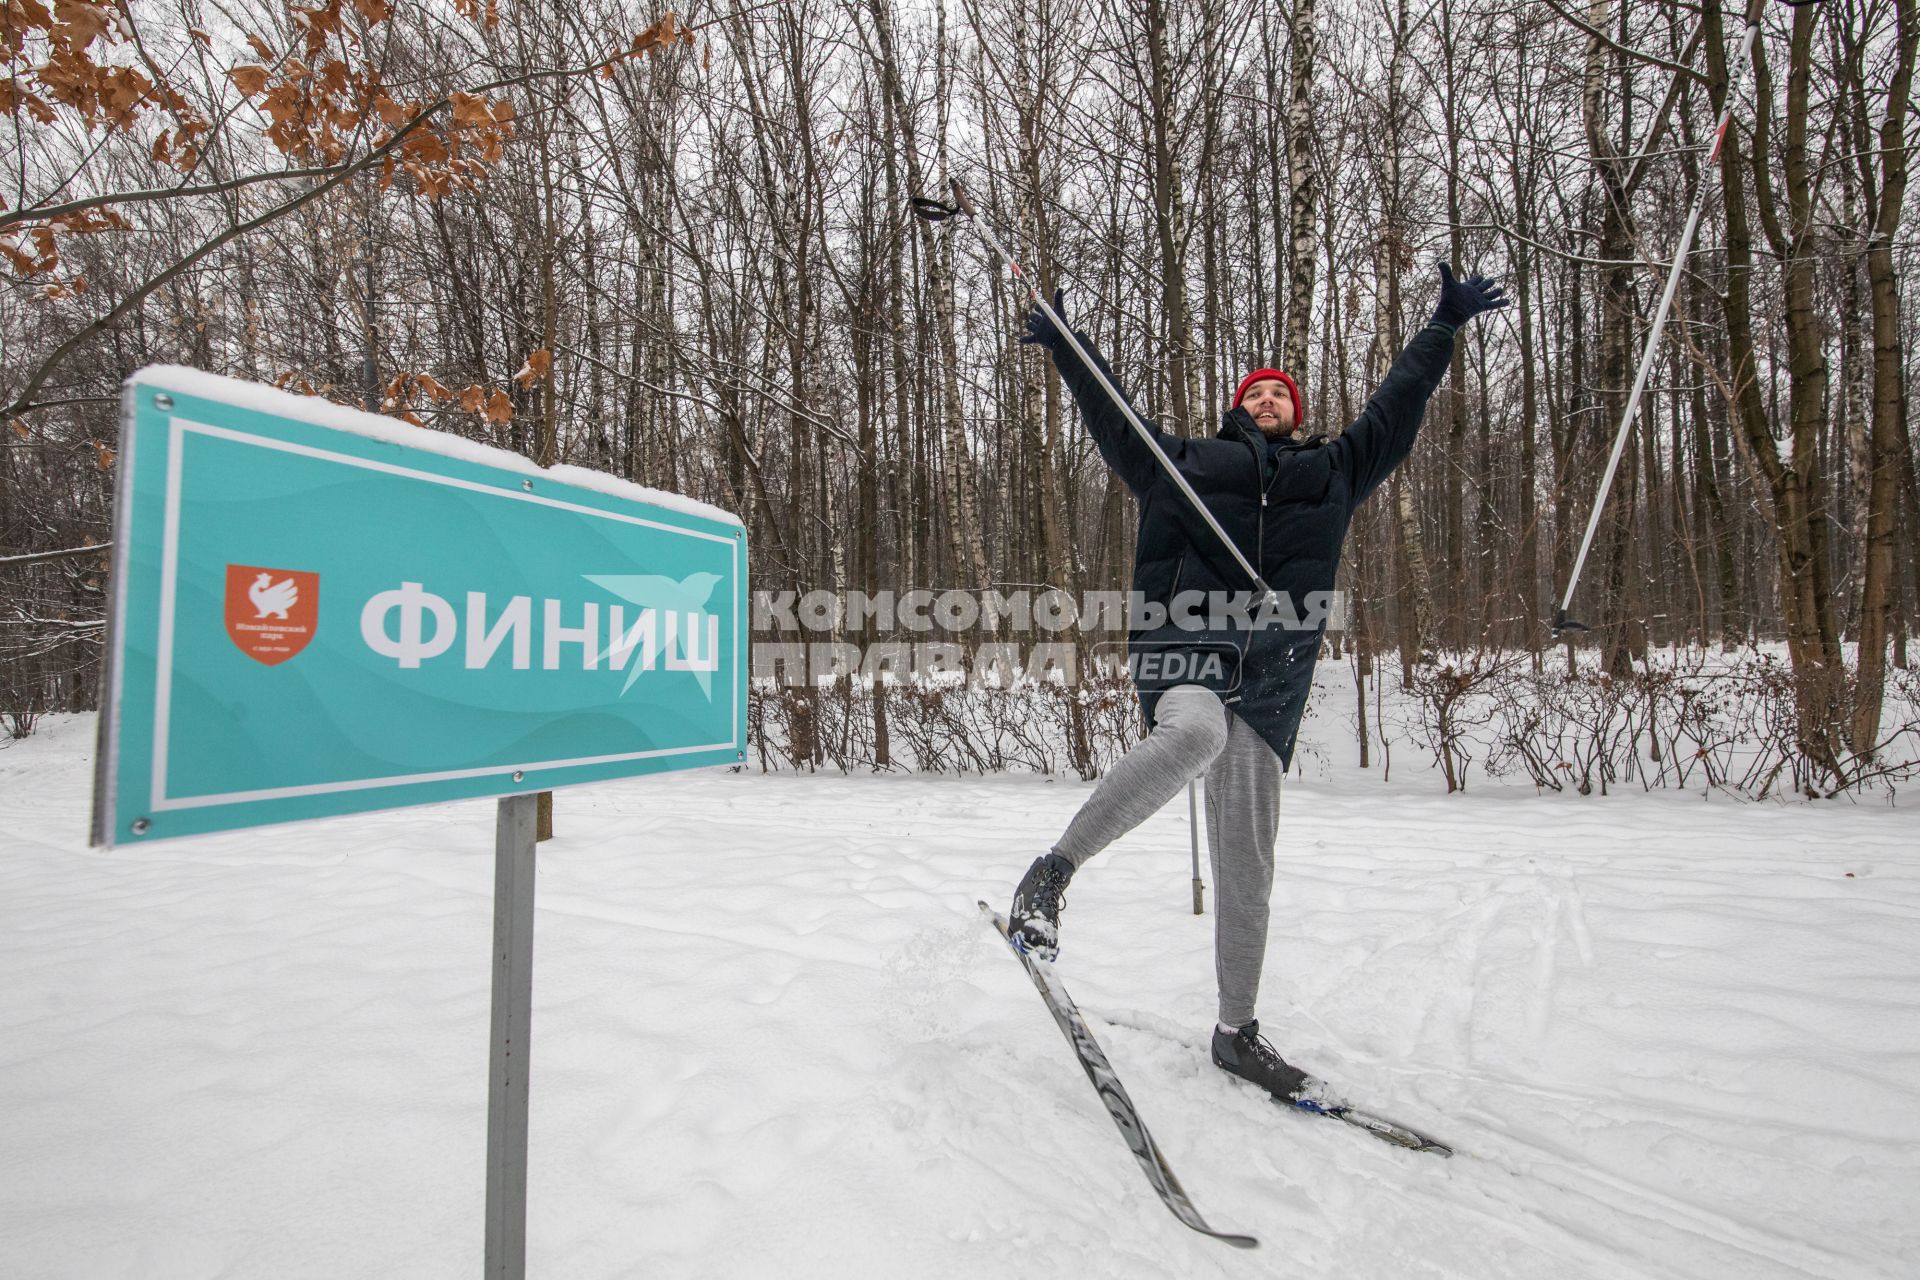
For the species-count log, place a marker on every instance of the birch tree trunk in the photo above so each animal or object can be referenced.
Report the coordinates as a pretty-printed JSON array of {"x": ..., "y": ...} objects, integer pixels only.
[{"x": 936, "y": 253}]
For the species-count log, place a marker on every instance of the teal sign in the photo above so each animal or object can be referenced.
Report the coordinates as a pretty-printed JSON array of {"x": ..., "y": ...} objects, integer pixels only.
[{"x": 319, "y": 611}]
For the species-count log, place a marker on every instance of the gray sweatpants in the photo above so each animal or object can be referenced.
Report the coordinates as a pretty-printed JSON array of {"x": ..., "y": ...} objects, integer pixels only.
[{"x": 1195, "y": 733}]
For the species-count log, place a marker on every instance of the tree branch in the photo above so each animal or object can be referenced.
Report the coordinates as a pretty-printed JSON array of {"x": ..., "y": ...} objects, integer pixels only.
[
  {"x": 341, "y": 173},
  {"x": 44, "y": 557},
  {"x": 1611, "y": 43},
  {"x": 46, "y": 213}
]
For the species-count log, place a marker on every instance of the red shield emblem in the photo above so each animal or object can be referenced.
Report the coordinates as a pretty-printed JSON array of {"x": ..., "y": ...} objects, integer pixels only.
[{"x": 271, "y": 613}]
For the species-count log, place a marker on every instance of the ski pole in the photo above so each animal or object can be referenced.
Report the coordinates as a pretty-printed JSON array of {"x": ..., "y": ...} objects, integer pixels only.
[
  {"x": 935, "y": 211},
  {"x": 1193, "y": 826},
  {"x": 1560, "y": 620}
]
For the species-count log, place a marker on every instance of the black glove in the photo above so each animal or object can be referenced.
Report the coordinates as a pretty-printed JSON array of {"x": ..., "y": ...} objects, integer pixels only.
[
  {"x": 1041, "y": 330},
  {"x": 1462, "y": 300}
]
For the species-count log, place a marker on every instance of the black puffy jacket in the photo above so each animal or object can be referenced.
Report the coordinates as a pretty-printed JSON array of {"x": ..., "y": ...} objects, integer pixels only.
[{"x": 1290, "y": 524}]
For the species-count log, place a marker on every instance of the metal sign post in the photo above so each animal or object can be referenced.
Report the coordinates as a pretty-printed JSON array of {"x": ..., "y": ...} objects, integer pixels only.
[{"x": 513, "y": 854}]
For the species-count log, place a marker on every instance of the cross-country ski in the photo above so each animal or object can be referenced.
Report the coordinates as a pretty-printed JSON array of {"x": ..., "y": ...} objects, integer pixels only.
[{"x": 1113, "y": 1095}]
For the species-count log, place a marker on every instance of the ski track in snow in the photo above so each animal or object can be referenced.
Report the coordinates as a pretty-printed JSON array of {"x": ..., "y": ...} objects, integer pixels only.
[{"x": 1670, "y": 1039}]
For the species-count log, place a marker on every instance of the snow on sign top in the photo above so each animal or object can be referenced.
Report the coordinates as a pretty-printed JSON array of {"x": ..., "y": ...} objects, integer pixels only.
[
  {"x": 317, "y": 611},
  {"x": 378, "y": 426}
]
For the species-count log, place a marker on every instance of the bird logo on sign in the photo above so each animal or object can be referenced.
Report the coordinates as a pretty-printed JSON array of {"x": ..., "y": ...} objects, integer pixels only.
[
  {"x": 272, "y": 599},
  {"x": 271, "y": 613}
]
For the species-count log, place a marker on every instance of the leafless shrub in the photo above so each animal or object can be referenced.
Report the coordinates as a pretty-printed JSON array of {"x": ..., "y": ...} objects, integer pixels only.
[
  {"x": 1738, "y": 726},
  {"x": 941, "y": 726},
  {"x": 1534, "y": 729},
  {"x": 1455, "y": 699}
]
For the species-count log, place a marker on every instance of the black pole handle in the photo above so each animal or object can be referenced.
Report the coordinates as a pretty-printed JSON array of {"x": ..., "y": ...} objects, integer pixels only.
[
  {"x": 930, "y": 209},
  {"x": 1561, "y": 622}
]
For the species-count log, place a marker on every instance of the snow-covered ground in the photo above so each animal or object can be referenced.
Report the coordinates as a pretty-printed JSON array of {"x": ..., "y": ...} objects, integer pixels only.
[{"x": 1670, "y": 1038}]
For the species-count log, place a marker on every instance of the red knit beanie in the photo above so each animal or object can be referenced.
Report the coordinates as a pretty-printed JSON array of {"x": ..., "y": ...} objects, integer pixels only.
[{"x": 1262, "y": 375}]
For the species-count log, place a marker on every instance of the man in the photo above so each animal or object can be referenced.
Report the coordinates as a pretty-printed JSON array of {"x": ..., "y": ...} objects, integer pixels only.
[{"x": 1285, "y": 499}]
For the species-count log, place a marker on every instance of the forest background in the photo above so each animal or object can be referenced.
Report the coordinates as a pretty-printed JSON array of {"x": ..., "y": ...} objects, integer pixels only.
[{"x": 676, "y": 247}]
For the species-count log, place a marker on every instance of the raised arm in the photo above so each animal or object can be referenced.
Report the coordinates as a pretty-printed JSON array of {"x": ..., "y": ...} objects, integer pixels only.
[
  {"x": 1130, "y": 457},
  {"x": 1382, "y": 436}
]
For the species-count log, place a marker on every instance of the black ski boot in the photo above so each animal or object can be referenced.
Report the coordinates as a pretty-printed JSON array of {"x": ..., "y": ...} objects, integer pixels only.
[
  {"x": 1033, "y": 922},
  {"x": 1247, "y": 1054}
]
